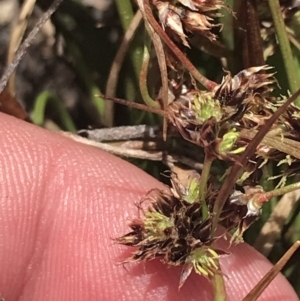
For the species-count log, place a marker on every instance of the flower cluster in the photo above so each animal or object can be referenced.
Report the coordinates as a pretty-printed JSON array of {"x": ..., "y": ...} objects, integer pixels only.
[{"x": 177, "y": 225}]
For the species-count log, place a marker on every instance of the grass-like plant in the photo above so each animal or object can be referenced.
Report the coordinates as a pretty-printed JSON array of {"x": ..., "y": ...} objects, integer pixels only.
[{"x": 213, "y": 70}]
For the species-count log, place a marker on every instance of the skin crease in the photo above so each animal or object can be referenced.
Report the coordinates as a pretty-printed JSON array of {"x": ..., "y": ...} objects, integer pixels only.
[{"x": 61, "y": 203}]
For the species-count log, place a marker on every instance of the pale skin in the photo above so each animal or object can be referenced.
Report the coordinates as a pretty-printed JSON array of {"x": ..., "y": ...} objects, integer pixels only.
[{"x": 61, "y": 203}]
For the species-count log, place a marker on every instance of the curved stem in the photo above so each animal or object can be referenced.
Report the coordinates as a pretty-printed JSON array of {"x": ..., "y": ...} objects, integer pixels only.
[
  {"x": 144, "y": 72},
  {"x": 38, "y": 114},
  {"x": 161, "y": 58},
  {"x": 120, "y": 56},
  {"x": 111, "y": 86}
]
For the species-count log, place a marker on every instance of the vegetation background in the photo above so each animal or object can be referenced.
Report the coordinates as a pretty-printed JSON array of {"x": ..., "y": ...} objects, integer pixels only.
[{"x": 70, "y": 61}]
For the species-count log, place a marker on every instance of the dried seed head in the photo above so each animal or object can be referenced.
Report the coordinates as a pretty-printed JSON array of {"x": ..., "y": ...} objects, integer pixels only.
[
  {"x": 189, "y": 4},
  {"x": 189, "y": 16},
  {"x": 169, "y": 17},
  {"x": 245, "y": 86},
  {"x": 213, "y": 120},
  {"x": 195, "y": 22}
]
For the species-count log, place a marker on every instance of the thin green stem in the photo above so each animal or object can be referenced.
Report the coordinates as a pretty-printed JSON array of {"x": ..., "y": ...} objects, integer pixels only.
[
  {"x": 38, "y": 114},
  {"x": 283, "y": 190},
  {"x": 126, "y": 14},
  {"x": 203, "y": 185},
  {"x": 218, "y": 286},
  {"x": 144, "y": 72},
  {"x": 285, "y": 47},
  {"x": 266, "y": 196}
]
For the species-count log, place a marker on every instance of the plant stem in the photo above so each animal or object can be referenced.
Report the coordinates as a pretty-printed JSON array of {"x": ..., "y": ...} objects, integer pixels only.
[
  {"x": 126, "y": 14},
  {"x": 218, "y": 286},
  {"x": 162, "y": 63},
  {"x": 117, "y": 64},
  {"x": 38, "y": 114},
  {"x": 268, "y": 278},
  {"x": 285, "y": 47},
  {"x": 144, "y": 72},
  {"x": 282, "y": 190},
  {"x": 203, "y": 184}
]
